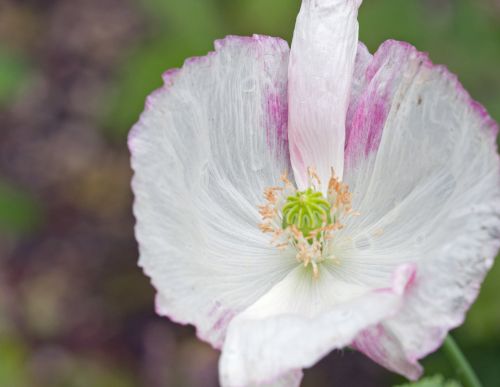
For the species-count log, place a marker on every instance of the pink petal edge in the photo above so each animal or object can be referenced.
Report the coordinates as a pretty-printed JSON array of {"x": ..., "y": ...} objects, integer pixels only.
[{"x": 368, "y": 112}]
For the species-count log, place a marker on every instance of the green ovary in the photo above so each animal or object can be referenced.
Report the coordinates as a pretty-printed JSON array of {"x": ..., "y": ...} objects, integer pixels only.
[{"x": 307, "y": 210}]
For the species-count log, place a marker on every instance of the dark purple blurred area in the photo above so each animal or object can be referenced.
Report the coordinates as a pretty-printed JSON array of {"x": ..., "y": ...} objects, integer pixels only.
[
  {"x": 73, "y": 298},
  {"x": 75, "y": 310}
]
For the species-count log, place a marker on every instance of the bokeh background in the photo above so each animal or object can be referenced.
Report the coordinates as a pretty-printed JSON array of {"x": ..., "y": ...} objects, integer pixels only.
[{"x": 75, "y": 310}]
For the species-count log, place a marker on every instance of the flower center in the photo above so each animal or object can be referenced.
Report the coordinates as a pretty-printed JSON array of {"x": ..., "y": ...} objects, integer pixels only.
[
  {"x": 306, "y": 220},
  {"x": 308, "y": 210}
]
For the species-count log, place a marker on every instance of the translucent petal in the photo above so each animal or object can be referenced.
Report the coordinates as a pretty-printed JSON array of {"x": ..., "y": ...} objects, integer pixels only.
[
  {"x": 422, "y": 161},
  {"x": 205, "y": 148},
  {"x": 320, "y": 73},
  {"x": 301, "y": 320}
]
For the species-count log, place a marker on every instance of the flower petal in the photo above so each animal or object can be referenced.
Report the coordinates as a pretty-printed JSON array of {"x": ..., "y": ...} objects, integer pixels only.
[
  {"x": 205, "y": 148},
  {"x": 358, "y": 86},
  {"x": 320, "y": 73},
  {"x": 423, "y": 164},
  {"x": 301, "y": 320},
  {"x": 383, "y": 347}
]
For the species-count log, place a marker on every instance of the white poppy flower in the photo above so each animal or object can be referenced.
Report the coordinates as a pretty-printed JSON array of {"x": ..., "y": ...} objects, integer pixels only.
[{"x": 380, "y": 215}]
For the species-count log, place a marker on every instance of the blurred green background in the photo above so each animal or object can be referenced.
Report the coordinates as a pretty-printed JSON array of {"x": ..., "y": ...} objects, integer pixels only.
[{"x": 74, "y": 308}]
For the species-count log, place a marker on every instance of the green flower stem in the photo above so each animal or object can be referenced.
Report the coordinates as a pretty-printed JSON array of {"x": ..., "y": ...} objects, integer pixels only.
[{"x": 460, "y": 363}]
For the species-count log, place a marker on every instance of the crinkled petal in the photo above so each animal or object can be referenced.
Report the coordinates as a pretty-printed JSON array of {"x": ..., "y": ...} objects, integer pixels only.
[
  {"x": 301, "y": 320},
  {"x": 422, "y": 162},
  {"x": 376, "y": 81},
  {"x": 320, "y": 73},
  {"x": 205, "y": 148}
]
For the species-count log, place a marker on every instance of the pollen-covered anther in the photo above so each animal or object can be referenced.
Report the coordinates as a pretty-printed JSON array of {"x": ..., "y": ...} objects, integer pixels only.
[
  {"x": 267, "y": 212},
  {"x": 284, "y": 179},
  {"x": 271, "y": 194},
  {"x": 266, "y": 227},
  {"x": 339, "y": 195},
  {"x": 313, "y": 178}
]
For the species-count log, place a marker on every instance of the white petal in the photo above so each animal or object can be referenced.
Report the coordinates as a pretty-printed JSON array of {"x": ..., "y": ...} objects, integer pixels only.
[
  {"x": 426, "y": 178},
  {"x": 205, "y": 148},
  {"x": 320, "y": 73},
  {"x": 289, "y": 379},
  {"x": 301, "y": 320}
]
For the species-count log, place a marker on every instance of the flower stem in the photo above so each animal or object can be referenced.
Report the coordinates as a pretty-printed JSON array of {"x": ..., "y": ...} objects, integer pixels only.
[{"x": 460, "y": 363}]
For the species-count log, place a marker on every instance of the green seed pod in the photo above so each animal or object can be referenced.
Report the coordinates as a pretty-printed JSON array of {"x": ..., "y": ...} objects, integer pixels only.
[{"x": 307, "y": 210}]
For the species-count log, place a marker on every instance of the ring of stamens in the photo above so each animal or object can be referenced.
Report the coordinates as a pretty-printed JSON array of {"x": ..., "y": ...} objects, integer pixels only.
[{"x": 305, "y": 220}]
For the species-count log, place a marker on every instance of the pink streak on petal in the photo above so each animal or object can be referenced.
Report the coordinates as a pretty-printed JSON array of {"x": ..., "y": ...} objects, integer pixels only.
[
  {"x": 367, "y": 125},
  {"x": 379, "y": 346},
  {"x": 369, "y": 111},
  {"x": 277, "y": 110},
  {"x": 359, "y": 83},
  {"x": 404, "y": 278},
  {"x": 276, "y": 107}
]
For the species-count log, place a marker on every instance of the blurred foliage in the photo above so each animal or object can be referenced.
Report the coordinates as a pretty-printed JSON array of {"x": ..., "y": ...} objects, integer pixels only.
[
  {"x": 71, "y": 371},
  {"x": 13, "y": 73},
  {"x": 13, "y": 354},
  {"x": 433, "y": 381},
  {"x": 74, "y": 308},
  {"x": 18, "y": 211}
]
